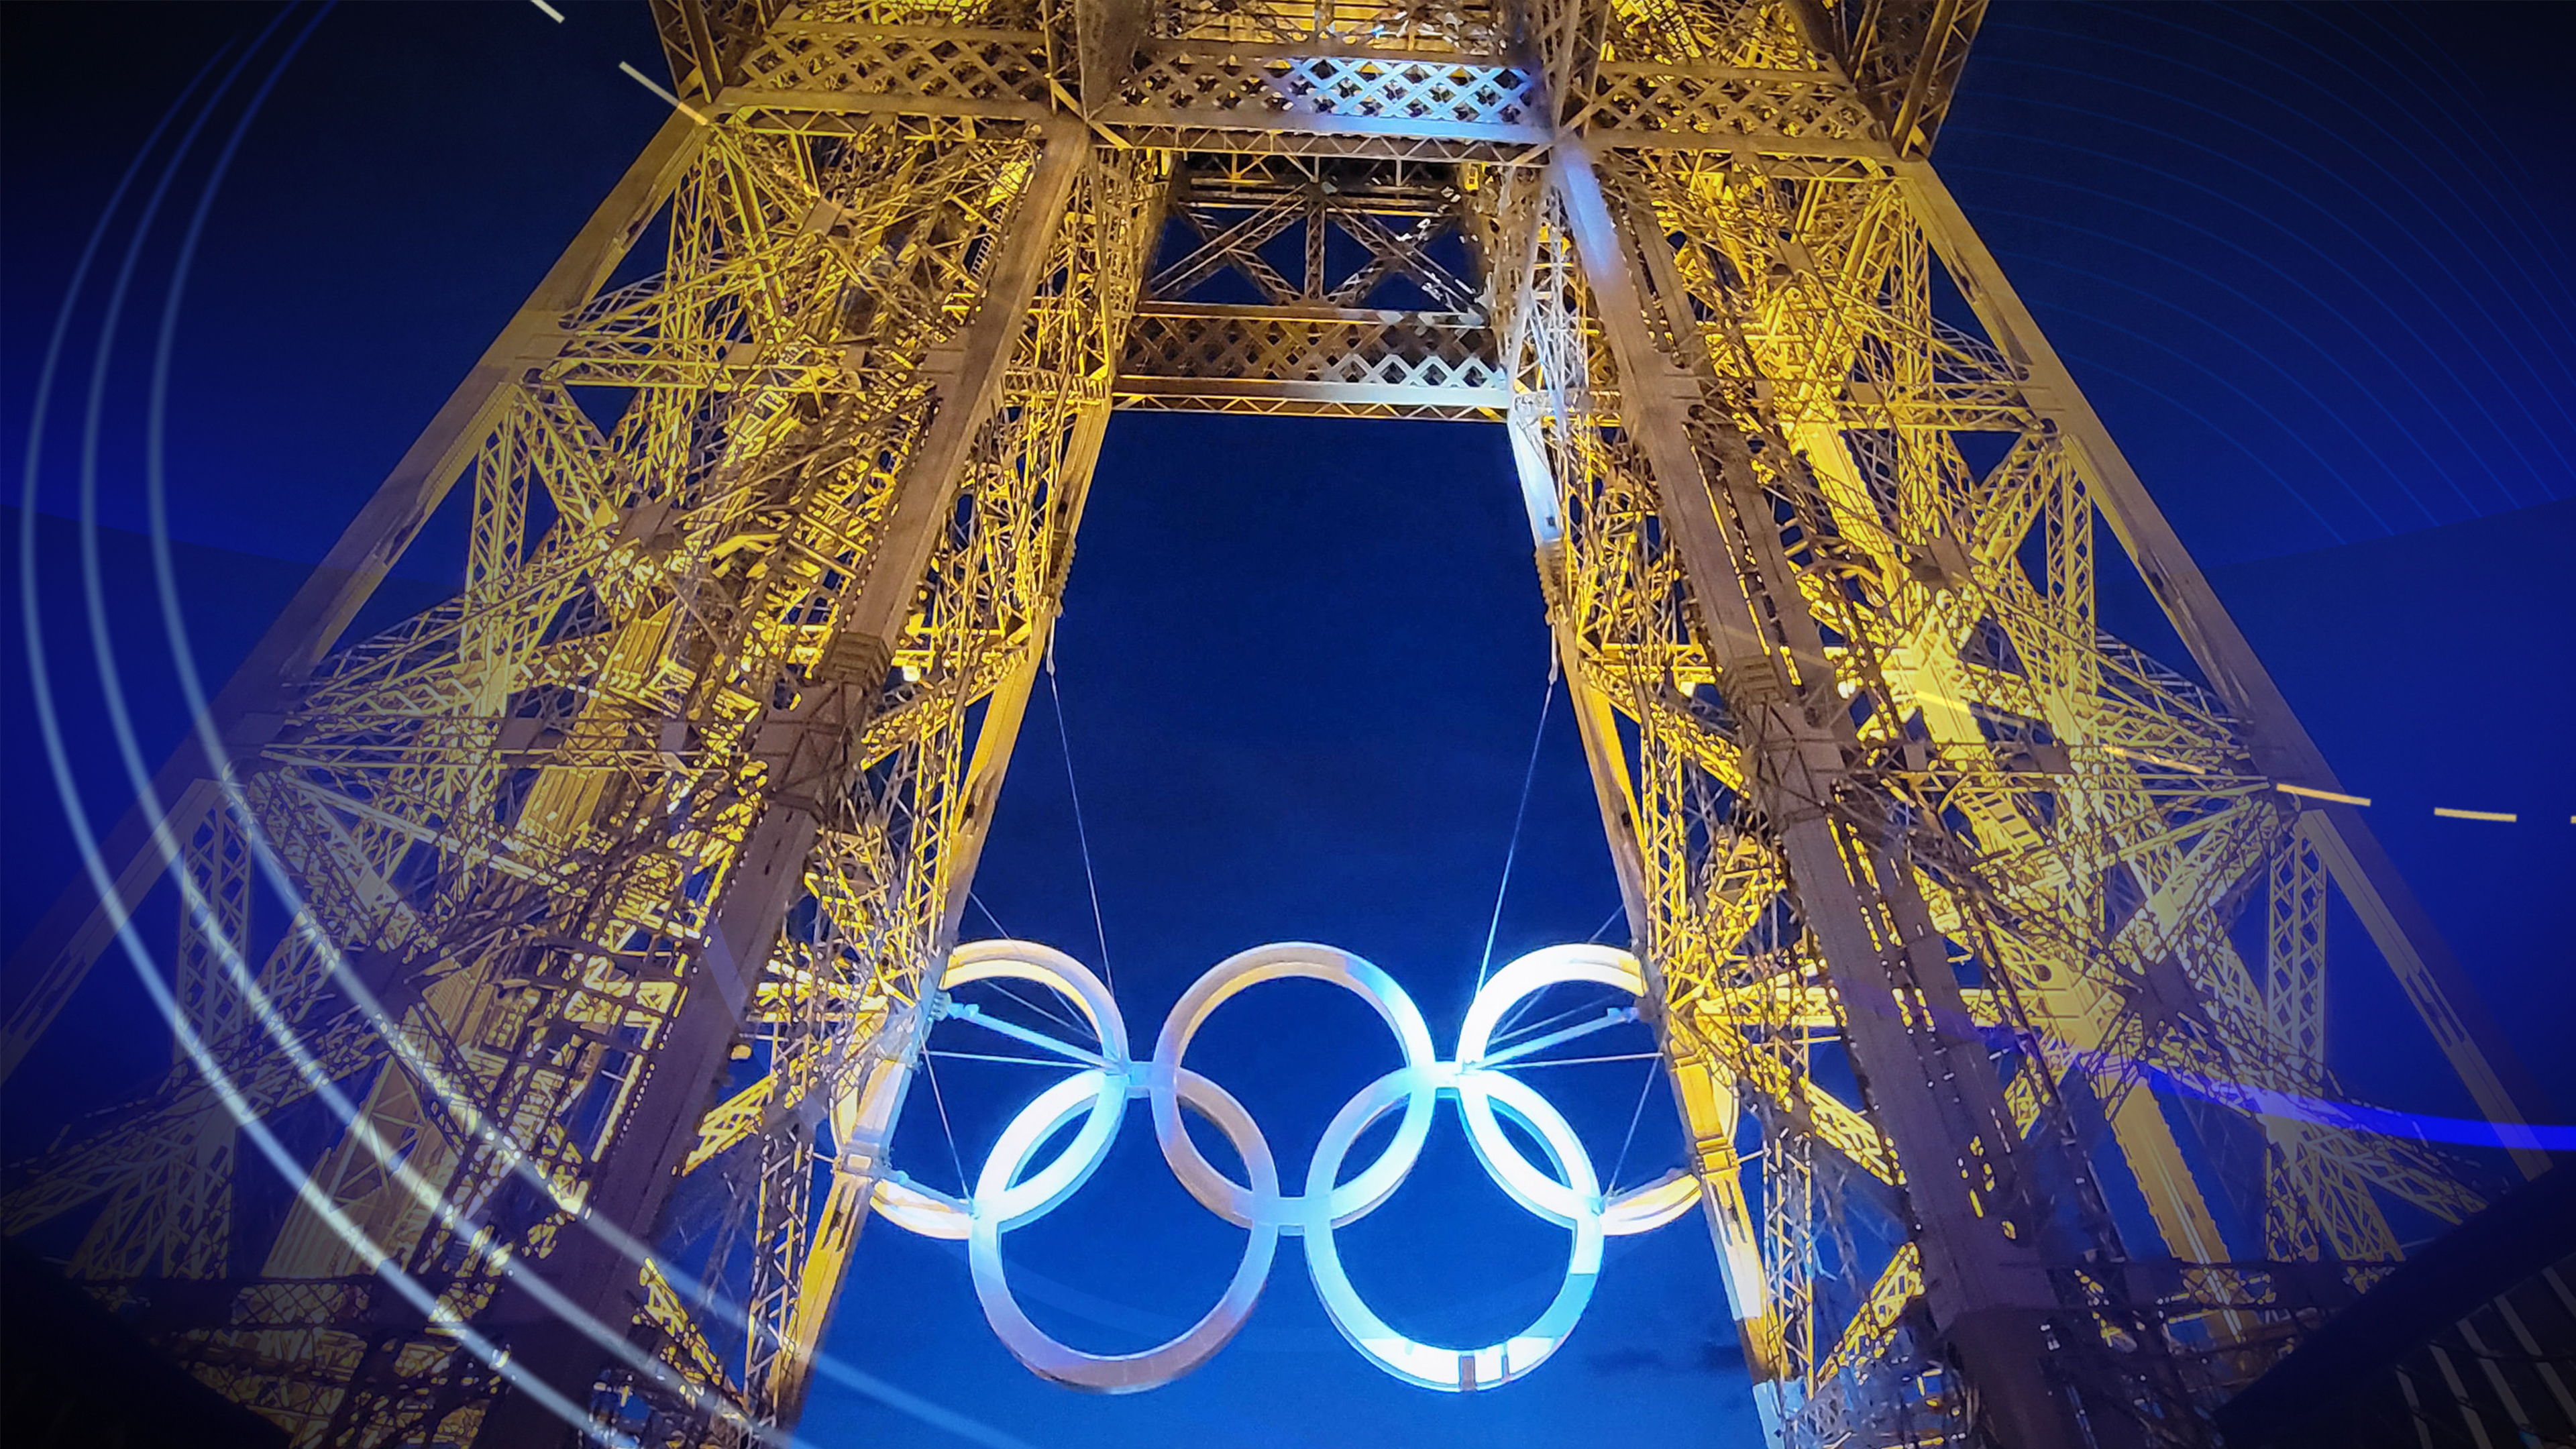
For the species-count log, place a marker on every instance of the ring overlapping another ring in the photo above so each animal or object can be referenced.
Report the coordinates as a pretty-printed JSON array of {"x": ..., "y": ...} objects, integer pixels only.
[
  {"x": 1638, "y": 1210},
  {"x": 1294, "y": 961},
  {"x": 1005, "y": 1195}
]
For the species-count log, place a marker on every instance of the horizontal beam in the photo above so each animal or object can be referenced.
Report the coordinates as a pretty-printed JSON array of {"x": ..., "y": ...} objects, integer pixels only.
[
  {"x": 1339, "y": 393},
  {"x": 1255, "y": 98},
  {"x": 1208, "y": 138},
  {"x": 1277, "y": 407},
  {"x": 1314, "y": 123},
  {"x": 1310, "y": 312},
  {"x": 823, "y": 112}
]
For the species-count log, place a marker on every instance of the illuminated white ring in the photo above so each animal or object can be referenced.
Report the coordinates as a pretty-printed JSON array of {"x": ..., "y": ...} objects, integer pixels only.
[
  {"x": 1570, "y": 1196},
  {"x": 1649, "y": 1206},
  {"x": 1222, "y": 1195},
  {"x": 1455, "y": 1369},
  {"x": 937, "y": 1215},
  {"x": 1128, "y": 1372},
  {"x": 1638, "y": 1210}
]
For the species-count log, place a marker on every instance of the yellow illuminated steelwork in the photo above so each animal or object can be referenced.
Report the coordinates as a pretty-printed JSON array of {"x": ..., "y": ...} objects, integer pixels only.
[{"x": 765, "y": 550}]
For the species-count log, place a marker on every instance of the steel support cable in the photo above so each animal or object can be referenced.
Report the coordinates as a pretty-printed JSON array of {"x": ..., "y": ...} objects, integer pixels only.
[
  {"x": 1040, "y": 1007},
  {"x": 1509, "y": 1028},
  {"x": 1044, "y": 1010},
  {"x": 1511, "y": 851},
  {"x": 989, "y": 918},
  {"x": 1050, "y": 1063},
  {"x": 1090, "y": 878},
  {"x": 1505, "y": 1034},
  {"x": 965, "y": 1184},
  {"x": 1588, "y": 1061},
  {"x": 1635, "y": 1115},
  {"x": 1607, "y": 922}
]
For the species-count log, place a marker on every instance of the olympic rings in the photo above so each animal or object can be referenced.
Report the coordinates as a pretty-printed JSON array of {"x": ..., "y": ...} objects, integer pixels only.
[
  {"x": 1007, "y": 1195},
  {"x": 1119, "y": 1373},
  {"x": 1643, "y": 1210},
  {"x": 1247, "y": 969},
  {"x": 936, "y": 1215},
  {"x": 1460, "y": 1370}
]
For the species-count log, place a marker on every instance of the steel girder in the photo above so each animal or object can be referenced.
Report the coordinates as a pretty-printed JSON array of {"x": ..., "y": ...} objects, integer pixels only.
[{"x": 613, "y": 888}]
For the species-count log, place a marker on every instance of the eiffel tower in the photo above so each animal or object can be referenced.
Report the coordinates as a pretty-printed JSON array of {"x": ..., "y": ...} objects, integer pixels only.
[{"x": 638, "y": 859}]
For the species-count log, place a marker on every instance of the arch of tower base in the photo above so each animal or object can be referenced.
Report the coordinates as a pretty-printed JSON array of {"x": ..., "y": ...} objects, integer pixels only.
[{"x": 641, "y": 859}]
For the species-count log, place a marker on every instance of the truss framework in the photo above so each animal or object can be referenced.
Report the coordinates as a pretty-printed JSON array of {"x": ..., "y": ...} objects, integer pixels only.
[{"x": 686, "y": 785}]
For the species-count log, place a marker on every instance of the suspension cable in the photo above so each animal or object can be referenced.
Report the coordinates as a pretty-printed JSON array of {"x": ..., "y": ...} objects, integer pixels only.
[
  {"x": 1090, "y": 878},
  {"x": 1040, "y": 1007},
  {"x": 965, "y": 1185},
  {"x": 1520, "y": 1008},
  {"x": 1512, "y": 851},
  {"x": 1586, "y": 1061},
  {"x": 1603, "y": 929},
  {"x": 1643, "y": 1091},
  {"x": 993, "y": 920}
]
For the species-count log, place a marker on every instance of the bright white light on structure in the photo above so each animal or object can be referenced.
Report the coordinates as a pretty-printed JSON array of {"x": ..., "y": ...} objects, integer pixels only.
[{"x": 1007, "y": 1195}]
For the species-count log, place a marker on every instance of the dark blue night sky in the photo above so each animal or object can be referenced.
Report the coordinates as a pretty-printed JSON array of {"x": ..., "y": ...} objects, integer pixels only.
[{"x": 2310, "y": 261}]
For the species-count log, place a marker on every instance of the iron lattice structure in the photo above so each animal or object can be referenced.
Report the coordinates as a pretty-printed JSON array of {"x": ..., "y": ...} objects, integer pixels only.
[{"x": 773, "y": 487}]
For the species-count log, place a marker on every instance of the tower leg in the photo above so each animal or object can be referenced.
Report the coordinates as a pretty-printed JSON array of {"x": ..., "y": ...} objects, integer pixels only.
[
  {"x": 808, "y": 765},
  {"x": 1933, "y": 1088},
  {"x": 2435, "y": 983},
  {"x": 1702, "y": 1093}
]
